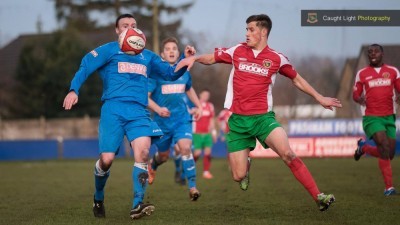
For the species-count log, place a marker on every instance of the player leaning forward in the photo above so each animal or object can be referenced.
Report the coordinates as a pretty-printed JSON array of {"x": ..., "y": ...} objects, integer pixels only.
[
  {"x": 249, "y": 97},
  {"x": 123, "y": 112}
]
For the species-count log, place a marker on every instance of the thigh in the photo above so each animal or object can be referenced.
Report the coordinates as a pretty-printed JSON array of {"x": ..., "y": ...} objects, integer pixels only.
[
  {"x": 372, "y": 125},
  {"x": 111, "y": 132},
  {"x": 278, "y": 141},
  {"x": 197, "y": 141}
]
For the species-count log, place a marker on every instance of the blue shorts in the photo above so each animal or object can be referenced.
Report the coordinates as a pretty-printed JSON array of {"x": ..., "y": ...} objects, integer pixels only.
[
  {"x": 124, "y": 118},
  {"x": 173, "y": 135}
]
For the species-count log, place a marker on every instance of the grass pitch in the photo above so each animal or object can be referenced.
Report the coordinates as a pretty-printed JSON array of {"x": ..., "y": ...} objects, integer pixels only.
[{"x": 61, "y": 192}]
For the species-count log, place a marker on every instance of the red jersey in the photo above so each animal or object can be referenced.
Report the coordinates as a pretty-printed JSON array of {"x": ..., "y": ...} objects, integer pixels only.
[
  {"x": 252, "y": 77},
  {"x": 202, "y": 126},
  {"x": 377, "y": 85},
  {"x": 223, "y": 118}
]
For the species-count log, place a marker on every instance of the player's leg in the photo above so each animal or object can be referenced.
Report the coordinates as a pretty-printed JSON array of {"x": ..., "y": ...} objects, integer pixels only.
[
  {"x": 208, "y": 142},
  {"x": 141, "y": 146},
  {"x": 110, "y": 137},
  {"x": 160, "y": 157},
  {"x": 239, "y": 164},
  {"x": 277, "y": 140},
  {"x": 178, "y": 168},
  {"x": 383, "y": 146},
  {"x": 197, "y": 146},
  {"x": 189, "y": 166}
]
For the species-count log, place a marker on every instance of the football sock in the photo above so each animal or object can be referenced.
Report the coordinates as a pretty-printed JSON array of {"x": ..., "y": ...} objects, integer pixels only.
[
  {"x": 140, "y": 181},
  {"x": 386, "y": 169},
  {"x": 100, "y": 179},
  {"x": 177, "y": 161},
  {"x": 207, "y": 162},
  {"x": 189, "y": 168},
  {"x": 371, "y": 150},
  {"x": 304, "y": 176}
]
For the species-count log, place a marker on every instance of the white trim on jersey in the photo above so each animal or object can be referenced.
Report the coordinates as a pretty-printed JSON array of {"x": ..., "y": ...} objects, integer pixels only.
[
  {"x": 269, "y": 94},
  {"x": 229, "y": 90}
]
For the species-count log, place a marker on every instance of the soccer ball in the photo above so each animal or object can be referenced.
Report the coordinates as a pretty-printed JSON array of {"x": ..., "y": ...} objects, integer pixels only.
[{"x": 132, "y": 41}]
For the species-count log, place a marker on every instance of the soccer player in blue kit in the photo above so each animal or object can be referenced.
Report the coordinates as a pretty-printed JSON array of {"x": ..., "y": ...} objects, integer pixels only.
[
  {"x": 124, "y": 110},
  {"x": 172, "y": 115}
]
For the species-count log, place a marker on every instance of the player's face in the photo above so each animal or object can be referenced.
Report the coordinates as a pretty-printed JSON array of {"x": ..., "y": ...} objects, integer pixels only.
[
  {"x": 375, "y": 56},
  {"x": 125, "y": 23},
  {"x": 204, "y": 96},
  {"x": 255, "y": 36},
  {"x": 170, "y": 52}
]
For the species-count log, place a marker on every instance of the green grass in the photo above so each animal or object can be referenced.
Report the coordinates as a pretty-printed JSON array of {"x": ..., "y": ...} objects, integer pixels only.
[{"x": 61, "y": 192}]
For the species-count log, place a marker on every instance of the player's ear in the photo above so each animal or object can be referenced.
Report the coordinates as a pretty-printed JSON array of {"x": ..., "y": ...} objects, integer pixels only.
[
  {"x": 117, "y": 30},
  {"x": 162, "y": 55}
]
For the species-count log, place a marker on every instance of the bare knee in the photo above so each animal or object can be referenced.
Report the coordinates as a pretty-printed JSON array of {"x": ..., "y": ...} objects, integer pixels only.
[
  {"x": 106, "y": 162},
  {"x": 288, "y": 156}
]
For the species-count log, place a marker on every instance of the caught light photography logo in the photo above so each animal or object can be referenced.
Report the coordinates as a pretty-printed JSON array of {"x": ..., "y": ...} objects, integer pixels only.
[
  {"x": 350, "y": 17},
  {"x": 312, "y": 17}
]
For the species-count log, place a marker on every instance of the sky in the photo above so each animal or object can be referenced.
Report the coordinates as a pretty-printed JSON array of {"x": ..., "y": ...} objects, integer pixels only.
[{"x": 222, "y": 22}]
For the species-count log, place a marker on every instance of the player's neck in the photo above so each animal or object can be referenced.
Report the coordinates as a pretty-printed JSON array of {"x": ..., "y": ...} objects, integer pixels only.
[{"x": 260, "y": 46}]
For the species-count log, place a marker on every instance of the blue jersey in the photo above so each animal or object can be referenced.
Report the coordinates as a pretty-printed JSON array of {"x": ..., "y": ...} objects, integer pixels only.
[
  {"x": 125, "y": 77},
  {"x": 171, "y": 94}
]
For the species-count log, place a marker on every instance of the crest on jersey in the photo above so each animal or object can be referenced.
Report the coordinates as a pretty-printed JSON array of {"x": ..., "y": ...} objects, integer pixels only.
[
  {"x": 386, "y": 75},
  {"x": 267, "y": 63}
]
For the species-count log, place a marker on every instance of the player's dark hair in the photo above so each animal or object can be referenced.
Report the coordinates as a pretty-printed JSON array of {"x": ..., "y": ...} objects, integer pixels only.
[
  {"x": 262, "y": 21},
  {"x": 123, "y": 16},
  {"x": 377, "y": 45},
  {"x": 168, "y": 40}
]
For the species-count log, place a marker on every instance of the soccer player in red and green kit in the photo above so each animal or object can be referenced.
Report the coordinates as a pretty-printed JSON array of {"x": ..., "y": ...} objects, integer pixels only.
[
  {"x": 249, "y": 98},
  {"x": 374, "y": 90}
]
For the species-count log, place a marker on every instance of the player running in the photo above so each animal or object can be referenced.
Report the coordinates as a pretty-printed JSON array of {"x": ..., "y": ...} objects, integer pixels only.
[
  {"x": 249, "y": 98},
  {"x": 374, "y": 90},
  {"x": 204, "y": 133},
  {"x": 123, "y": 111},
  {"x": 172, "y": 115}
]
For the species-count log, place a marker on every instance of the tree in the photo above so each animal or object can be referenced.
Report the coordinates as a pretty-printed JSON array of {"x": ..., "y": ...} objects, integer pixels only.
[{"x": 45, "y": 69}]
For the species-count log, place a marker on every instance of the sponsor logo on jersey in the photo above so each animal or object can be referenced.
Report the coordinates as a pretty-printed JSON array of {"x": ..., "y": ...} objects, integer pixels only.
[
  {"x": 94, "y": 53},
  {"x": 126, "y": 67},
  {"x": 379, "y": 82},
  {"x": 368, "y": 78},
  {"x": 267, "y": 63},
  {"x": 253, "y": 68},
  {"x": 386, "y": 75},
  {"x": 157, "y": 131},
  {"x": 173, "y": 88},
  {"x": 242, "y": 59}
]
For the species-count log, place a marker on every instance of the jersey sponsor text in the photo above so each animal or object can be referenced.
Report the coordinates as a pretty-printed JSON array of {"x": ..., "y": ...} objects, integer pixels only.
[
  {"x": 379, "y": 83},
  {"x": 173, "y": 88},
  {"x": 253, "y": 68},
  {"x": 126, "y": 67}
]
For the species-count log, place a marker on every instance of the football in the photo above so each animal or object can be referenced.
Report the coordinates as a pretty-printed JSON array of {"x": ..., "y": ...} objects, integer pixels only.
[{"x": 132, "y": 41}]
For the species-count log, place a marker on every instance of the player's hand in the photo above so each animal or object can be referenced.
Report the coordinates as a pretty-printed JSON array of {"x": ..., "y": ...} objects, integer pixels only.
[
  {"x": 398, "y": 100},
  {"x": 164, "y": 112},
  {"x": 329, "y": 103},
  {"x": 70, "y": 100},
  {"x": 197, "y": 113},
  {"x": 189, "y": 51},
  {"x": 189, "y": 61},
  {"x": 361, "y": 100}
]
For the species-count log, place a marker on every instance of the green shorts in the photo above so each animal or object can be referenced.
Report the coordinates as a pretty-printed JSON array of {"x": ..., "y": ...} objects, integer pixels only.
[
  {"x": 373, "y": 124},
  {"x": 201, "y": 141},
  {"x": 244, "y": 130}
]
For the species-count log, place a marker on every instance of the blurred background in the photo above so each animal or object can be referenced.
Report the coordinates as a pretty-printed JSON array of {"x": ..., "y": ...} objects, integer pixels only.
[{"x": 43, "y": 41}]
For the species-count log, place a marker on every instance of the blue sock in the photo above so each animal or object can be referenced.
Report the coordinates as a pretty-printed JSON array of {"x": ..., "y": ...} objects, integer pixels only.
[
  {"x": 177, "y": 160},
  {"x": 189, "y": 168},
  {"x": 140, "y": 181},
  {"x": 100, "y": 179},
  {"x": 183, "y": 176}
]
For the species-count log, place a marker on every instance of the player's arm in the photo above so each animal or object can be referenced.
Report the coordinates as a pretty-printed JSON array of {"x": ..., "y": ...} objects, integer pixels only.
[
  {"x": 162, "y": 70},
  {"x": 198, "y": 111},
  {"x": 188, "y": 62},
  {"x": 358, "y": 90},
  {"x": 304, "y": 86},
  {"x": 90, "y": 63},
  {"x": 161, "y": 111}
]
